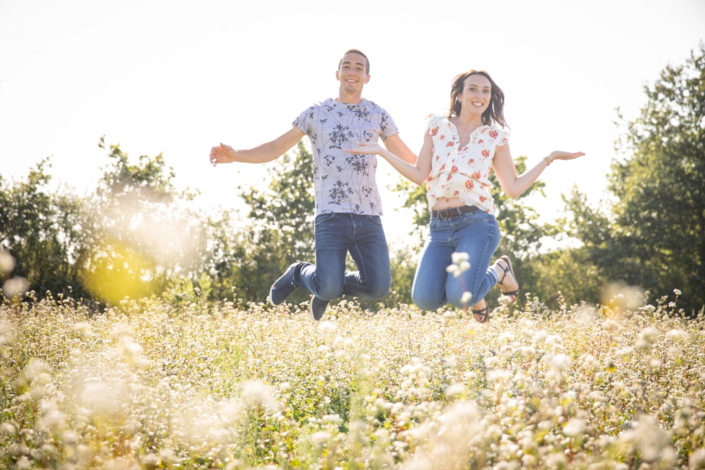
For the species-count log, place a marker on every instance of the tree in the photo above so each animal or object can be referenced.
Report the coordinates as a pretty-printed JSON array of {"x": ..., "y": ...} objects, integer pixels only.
[
  {"x": 143, "y": 235},
  {"x": 654, "y": 235},
  {"x": 43, "y": 231}
]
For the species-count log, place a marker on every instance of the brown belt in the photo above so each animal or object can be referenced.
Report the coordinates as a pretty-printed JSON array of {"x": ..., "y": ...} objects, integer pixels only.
[{"x": 453, "y": 212}]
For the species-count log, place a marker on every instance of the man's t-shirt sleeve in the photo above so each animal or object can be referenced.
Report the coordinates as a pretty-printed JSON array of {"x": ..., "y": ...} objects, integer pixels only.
[
  {"x": 387, "y": 126},
  {"x": 304, "y": 120}
]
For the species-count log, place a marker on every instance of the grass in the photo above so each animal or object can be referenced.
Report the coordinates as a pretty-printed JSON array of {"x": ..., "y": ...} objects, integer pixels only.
[{"x": 145, "y": 385}]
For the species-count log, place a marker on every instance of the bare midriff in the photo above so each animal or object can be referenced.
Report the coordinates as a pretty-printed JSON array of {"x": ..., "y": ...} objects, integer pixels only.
[{"x": 447, "y": 202}]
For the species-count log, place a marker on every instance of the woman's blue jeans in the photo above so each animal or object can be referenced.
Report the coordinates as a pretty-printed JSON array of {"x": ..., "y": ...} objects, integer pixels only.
[
  {"x": 475, "y": 233},
  {"x": 336, "y": 234}
]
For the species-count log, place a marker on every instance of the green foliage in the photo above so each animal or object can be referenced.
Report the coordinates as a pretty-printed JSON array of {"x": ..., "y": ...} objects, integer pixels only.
[
  {"x": 654, "y": 235},
  {"x": 415, "y": 201},
  {"x": 128, "y": 238},
  {"x": 43, "y": 231},
  {"x": 144, "y": 234},
  {"x": 287, "y": 206}
]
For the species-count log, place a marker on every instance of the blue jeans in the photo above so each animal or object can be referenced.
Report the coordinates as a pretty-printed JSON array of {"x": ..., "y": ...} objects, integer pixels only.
[
  {"x": 475, "y": 233},
  {"x": 336, "y": 234}
]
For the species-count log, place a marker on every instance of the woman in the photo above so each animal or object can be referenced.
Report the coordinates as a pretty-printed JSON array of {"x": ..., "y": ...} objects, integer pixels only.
[{"x": 458, "y": 154}]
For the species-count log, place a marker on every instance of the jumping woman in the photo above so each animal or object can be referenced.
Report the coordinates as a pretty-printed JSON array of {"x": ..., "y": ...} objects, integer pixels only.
[{"x": 459, "y": 151}]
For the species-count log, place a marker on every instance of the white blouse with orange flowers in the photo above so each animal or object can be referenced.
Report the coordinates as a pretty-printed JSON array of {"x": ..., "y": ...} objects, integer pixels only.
[{"x": 462, "y": 172}]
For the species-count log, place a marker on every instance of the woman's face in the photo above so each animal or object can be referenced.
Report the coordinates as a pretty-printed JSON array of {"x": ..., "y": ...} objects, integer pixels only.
[{"x": 476, "y": 95}]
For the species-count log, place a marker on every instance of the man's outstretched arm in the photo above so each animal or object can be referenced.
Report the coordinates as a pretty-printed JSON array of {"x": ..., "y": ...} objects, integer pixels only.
[
  {"x": 260, "y": 154},
  {"x": 394, "y": 144}
]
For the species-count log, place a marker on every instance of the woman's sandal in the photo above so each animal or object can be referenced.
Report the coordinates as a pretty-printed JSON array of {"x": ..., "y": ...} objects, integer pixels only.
[
  {"x": 484, "y": 313},
  {"x": 514, "y": 294}
]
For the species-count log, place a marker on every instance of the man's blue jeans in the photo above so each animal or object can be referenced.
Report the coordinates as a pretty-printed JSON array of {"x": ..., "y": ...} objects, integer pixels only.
[
  {"x": 363, "y": 237},
  {"x": 475, "y": 233}
]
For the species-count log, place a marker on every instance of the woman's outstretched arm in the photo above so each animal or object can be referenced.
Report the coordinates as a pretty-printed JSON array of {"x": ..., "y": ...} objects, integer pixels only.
[
  {"x": 515, "y": 185},
  {"x": 416, "y": 173}
]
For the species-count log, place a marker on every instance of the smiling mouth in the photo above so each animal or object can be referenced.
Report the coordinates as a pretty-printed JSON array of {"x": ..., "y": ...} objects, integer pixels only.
[{"x": 477, "y": 104}]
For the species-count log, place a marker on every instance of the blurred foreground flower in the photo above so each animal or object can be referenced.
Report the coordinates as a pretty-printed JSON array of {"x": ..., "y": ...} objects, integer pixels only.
[{"x": 15, "y": 286}]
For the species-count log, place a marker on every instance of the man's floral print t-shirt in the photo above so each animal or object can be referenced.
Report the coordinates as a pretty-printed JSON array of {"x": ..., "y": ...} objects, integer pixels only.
[
  {"x": 462, "y": 172},
  {"x": 345, "y": 182}
]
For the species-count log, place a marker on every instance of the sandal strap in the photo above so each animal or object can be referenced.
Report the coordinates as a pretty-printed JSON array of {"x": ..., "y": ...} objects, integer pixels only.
[
  {"x": 513, "y": 292},
  {"x": 484, "y": 313},
  {"x": 506, "y": 269}
]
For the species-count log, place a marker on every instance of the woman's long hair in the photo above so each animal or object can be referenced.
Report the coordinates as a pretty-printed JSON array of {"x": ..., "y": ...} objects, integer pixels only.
[{"x": 494, "y": 112}]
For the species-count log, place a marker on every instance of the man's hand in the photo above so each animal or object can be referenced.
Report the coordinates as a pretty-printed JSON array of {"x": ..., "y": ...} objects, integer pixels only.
[{"x": 222, "y": 154}]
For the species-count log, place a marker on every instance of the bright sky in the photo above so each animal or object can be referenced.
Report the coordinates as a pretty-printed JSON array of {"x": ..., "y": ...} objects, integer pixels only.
[{"x": 178, "y": 77}]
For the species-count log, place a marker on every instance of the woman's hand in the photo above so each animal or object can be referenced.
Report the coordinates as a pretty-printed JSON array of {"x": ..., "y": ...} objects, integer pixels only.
[
  {"x": 367, "y": 148},
  {"x": 558, "y": 155},
  {"x": 222, "y": 154}
]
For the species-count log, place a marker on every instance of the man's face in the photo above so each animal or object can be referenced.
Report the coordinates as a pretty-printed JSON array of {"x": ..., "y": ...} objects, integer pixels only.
[{"x": 353, "y": 73}]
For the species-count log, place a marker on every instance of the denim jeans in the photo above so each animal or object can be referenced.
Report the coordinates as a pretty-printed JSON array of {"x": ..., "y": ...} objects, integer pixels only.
[
  {"x": 336, "y": 234},
  {"x": 475, "y": 233}
]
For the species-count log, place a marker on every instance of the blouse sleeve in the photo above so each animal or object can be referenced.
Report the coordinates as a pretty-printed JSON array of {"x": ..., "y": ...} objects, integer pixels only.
[
  {"x": 502, "y": 138},
  {"x": 432, "y": 125}
]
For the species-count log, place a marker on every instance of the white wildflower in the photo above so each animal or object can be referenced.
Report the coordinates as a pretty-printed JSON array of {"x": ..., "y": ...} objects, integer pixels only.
[
  {"x": 454, "y": 390},
  {"x": 7, "y": 262},
  {"x": 539, "y": 336},
  {"x": 647, "y": 438},
  {"x": 696, "y": 461},
  {"x": 677, "y": 334},
  {"x": 554, "y": 339},
  {"x": 610, "y": 326},
  {"x": 256, "y": 394},
  {"x": 559, "y": 361},
  {"x": 84, "y": 328},
  {"x": 646, "y": 338},
  {"x": 14, "y": 286},
  {"x": 333, "y": 419},
  {"x": 459, "y": 257},
  {"x": 466, "y": 297},
  {"x": 327, "y": 327},
  {"x": 320, "y": 438},
  {"x": 574, "y": 427},
  {"x": 506, "y": 337}
]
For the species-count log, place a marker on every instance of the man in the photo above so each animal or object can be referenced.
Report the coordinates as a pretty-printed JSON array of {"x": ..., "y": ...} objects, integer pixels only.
[{"x": 348, "y": 205}]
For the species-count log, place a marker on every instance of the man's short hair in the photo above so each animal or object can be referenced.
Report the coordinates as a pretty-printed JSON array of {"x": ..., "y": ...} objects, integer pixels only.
[{"x": 355, "y": 51}]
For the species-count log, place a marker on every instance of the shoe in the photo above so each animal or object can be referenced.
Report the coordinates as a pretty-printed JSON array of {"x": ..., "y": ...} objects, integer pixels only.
[
  {"x": 482, "y": 312},
  {"x": 506, "y": 283},
  {"x": 284, "y": 286},
  {"x": 318, "y": 308}
]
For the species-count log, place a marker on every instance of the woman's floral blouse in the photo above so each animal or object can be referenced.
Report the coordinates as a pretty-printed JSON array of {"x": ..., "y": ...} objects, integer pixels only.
[{"x": 462, "y": 172}]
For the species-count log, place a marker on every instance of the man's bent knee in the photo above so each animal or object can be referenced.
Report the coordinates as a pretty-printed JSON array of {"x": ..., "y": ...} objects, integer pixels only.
[
  {"x": 377, "y": 292},
  {"x": 329, "y": 292}
]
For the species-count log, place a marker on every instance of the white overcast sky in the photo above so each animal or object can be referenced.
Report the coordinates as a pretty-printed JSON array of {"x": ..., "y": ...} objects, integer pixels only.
[{"x": 178, "y": 77}]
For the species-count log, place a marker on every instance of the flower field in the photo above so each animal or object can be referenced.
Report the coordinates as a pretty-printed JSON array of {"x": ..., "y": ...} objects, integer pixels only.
[{"x": 145, "y": 385}]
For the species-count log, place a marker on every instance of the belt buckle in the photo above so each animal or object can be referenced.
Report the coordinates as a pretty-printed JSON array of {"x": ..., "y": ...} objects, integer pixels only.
[{"x": 446, "y": 214}]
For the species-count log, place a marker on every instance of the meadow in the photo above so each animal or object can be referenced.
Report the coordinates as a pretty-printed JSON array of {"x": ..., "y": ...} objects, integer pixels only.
[{"x": 225, "y": 385}]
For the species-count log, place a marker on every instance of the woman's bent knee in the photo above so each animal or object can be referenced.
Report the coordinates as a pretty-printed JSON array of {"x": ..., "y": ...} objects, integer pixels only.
[{"x": 425, "y": 303}]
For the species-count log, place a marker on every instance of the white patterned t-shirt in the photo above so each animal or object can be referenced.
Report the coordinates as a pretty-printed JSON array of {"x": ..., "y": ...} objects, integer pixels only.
[{"x": 345, "y": 182}]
